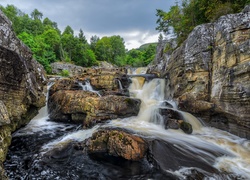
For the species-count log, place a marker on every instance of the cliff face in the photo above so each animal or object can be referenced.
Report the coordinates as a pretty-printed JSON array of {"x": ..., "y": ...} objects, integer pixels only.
[
  {"x": 22, "y": 82},
  {"x": 209, "y": 74}
]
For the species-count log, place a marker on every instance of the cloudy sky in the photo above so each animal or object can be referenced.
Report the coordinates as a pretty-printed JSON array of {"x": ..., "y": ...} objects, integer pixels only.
[{"x": 134, "y": 20}]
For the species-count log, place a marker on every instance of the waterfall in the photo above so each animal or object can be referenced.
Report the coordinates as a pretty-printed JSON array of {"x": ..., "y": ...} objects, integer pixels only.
[
  {"x": 216, "y": 148},
  {"x": 204, "y": 142},
  {"x": 120, "y": 84},
  {"x": 87, "y": 87}
]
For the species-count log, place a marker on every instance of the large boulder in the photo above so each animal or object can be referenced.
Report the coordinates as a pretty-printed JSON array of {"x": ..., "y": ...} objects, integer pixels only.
[
  {"x": 209, "y": 73},
  {"x": 119, "y": 143},
  {"x": 64, "y": 84},
  {"x": 88, "y": 108},
  {"x": 22, "y": 82}
]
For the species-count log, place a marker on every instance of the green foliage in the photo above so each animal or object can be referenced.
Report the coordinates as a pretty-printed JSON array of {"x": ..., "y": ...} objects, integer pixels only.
[
  {"x": 181, "y": 19},
  {"x": 110, "y": 49},
  {"x": 142, "y": 56},
  {"x": 64, "y": 73},
  {"x": 48, "y": 44}
]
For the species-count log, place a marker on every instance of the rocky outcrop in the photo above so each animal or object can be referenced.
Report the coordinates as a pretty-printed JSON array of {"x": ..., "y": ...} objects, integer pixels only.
[
  {"x": 209, "y": 73},
  {"x": 107, "y": 79},
  {"x": 88, "y": 108},
  {"x": 58, "y": 67},
  {"x": 115, "y": 142},
  {"x": 94, "y": 96},
  {"x": 22, "y": 82},
  {"x": 174, "y": 120}
]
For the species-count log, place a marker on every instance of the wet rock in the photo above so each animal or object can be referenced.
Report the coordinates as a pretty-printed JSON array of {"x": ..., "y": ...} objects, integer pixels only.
[
  {"x": 186, "y": 127},
  {"x": 22, "y": 85},
  {"x": 172, "y": 156},
  {"x": 2, "y": 173},
  {"x": 209, "y": 73},
  {"x": 171, "y": 118},
  {"x": 117, "y": 143},
  {"x": 88, "y": 108},
  {"x": 172, "y": 124}
]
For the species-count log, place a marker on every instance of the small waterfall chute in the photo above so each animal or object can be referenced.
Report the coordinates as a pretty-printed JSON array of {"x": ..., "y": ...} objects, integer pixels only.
[{"x": 87, "y": 87}]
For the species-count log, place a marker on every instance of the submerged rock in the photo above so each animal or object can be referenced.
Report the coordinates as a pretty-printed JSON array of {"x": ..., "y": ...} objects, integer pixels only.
[{"x": 119, "y": 143}]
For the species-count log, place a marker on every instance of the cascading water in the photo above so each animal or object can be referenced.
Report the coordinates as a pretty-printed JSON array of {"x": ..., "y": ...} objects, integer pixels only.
[
  {"x": 206, "y": 150},
  {"x": 87, "y": 87},
  {"x": 120, "y": 84},
  {"x": 220, "y": 149}
]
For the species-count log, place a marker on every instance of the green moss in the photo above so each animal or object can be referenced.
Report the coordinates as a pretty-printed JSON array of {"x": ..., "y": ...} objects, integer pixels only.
[{"x": 64, "y": 73}]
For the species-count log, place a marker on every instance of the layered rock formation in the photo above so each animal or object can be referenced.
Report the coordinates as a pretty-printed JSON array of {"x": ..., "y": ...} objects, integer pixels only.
[
  {"x": 71, "y": 102},
  {"x": 209, "y": 74},
  {"x": 22, "y": 82},
  {"x": 88, "y": 108}
]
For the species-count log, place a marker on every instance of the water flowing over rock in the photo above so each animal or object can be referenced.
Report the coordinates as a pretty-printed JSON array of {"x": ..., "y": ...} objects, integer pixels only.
[
  {"x": 101, "y": 78},
  {"x": 22, "y": 82},
  {"x": 209, "y": 73},
  {"x": 119, "y": 143},
  {"x": 105, "y": 98}
]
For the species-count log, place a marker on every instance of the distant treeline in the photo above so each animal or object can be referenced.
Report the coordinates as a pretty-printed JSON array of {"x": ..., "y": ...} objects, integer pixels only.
[
  {"x": 184, "y": 16},
  {"x": 49, "y": 44}
]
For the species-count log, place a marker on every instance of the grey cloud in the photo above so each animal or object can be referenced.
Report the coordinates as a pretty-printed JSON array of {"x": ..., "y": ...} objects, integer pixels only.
[{"x": 98, "y": 16}]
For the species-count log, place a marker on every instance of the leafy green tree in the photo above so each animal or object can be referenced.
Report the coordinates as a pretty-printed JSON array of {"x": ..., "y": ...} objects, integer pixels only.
[
  {"x": 68, "y": 43},
  {"x": 190, "y": 13},
  {"x": 103, "y": 50},
  {"x": 53, "y": 40},
  {"x": 68, "y": 30},
  {"x": 134, "y": 58},
  {"x": 149, "y": 54},
  {"x": 118, "y": 49},
  {"x": 93, "y": 40},
  {"x": 36, "y": 15}
]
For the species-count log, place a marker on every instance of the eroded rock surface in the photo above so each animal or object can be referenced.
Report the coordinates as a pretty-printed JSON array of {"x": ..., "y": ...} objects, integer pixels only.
[
  {"x": 89, "y": 108},
  {"x": 209, "y": 74},
  {"x": 119, "y": 143},
  {"x": 22, "y": 82}
]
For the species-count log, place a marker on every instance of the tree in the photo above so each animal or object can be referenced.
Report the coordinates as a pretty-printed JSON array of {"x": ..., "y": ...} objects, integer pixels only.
[
  {"x": 93, "y": 40},
  {"x": 118, "y": 49},
  {"x": 183, "y": 18},
  {"x": 111, "y": 49},
  {"x": 52, "y": 38},
  {"x": 36, "y": 15},
  {"x": 68, "y": 30},
  {"x": 82, "y": 38},
  {"x": 103, "y": 50}
]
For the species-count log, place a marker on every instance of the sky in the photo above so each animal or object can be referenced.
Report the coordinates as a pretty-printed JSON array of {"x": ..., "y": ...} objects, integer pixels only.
[{"x": 133, "y": 20}]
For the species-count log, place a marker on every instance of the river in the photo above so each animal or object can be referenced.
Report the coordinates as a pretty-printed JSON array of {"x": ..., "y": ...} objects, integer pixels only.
[{"x": 212, "y": 153}]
